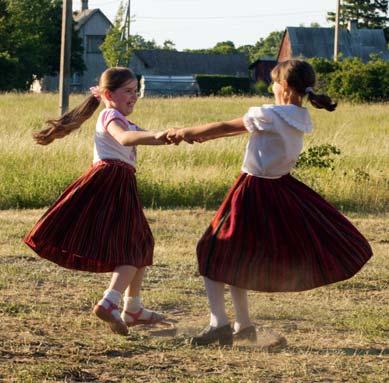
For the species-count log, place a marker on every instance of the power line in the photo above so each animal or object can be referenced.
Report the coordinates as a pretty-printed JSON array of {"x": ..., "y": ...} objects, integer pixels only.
[{"x": 226, "y": 17}]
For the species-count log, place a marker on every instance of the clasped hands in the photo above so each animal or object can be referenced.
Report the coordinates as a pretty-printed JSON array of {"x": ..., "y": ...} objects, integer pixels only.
[{"x": 175, "y": 136}]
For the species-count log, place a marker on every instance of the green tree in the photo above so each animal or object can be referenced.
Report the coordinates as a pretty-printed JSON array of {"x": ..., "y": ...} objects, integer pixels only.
[
  {"x": 169, "y": 45},
  {"x": 268, "y": 46},
  {"x": 368, "y": 13},
  {"x": 30, "y": 42},
  {"x": 117, "y": 49}
]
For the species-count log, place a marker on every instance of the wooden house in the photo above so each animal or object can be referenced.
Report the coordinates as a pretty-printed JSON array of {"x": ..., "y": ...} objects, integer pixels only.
[{"x": 319, "y": 42}]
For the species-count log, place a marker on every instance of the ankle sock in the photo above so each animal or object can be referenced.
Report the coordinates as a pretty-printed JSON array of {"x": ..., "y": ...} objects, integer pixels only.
[
  {"x": 112, "y": 296},
  {"x": 133, "y": 305}
]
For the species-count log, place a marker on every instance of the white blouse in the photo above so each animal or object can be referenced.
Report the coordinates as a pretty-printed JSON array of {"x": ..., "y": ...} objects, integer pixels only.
[
  {"x": 276, "y": 139},
  {"x": 106, "y": 147}
]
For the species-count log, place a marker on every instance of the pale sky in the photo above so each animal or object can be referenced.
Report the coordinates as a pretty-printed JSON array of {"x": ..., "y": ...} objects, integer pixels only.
[{"x": 198, "y": 24}]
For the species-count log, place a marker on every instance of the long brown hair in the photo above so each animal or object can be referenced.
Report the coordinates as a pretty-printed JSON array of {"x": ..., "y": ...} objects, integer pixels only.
[
  {"x": 111, "y": 79},
  {"x": 300, "y": 76}
]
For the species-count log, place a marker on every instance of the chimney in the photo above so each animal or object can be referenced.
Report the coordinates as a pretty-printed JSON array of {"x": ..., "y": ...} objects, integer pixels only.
[
  {"x": 352, "y": 25},
  {"x": 84, "y": 5}
]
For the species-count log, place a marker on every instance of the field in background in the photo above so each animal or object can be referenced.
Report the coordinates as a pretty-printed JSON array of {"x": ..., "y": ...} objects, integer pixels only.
[
  {"x": 335, "y": 334},
  {"x": 191, "y": 176}
]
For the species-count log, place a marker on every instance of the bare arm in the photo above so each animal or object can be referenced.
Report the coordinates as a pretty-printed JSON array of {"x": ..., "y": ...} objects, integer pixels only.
[
  {"x": 133, "y": 138},
  {"x": 209, "y": 131}
]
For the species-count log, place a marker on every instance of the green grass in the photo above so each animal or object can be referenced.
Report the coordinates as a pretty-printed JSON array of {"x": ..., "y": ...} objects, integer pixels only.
[
  {"x": 337, "y": 333},
  {"x": 190, "y": 176}
]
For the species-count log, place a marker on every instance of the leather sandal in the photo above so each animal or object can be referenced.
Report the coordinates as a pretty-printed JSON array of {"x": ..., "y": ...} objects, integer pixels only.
[
  {"x": 154, "y": 318},
  {"x": 105, "y": 314}
]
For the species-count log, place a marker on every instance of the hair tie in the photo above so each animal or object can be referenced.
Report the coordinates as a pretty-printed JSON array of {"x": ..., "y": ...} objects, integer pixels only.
[
  {"x": 309, "y": 90},
  {"x": 95, "y": 90}
]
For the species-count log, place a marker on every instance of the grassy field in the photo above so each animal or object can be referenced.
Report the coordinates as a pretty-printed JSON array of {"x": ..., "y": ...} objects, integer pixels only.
[
  {"x": 191, "y": 176},
  {"x": 338, "y": 333}
]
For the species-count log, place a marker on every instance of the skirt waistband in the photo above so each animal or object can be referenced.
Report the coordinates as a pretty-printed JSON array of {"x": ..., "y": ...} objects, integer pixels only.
[{"x": 109, "y": 161}]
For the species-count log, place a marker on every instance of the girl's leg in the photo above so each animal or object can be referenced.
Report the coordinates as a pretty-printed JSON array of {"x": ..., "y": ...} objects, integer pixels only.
[
  {"x": 107, "y": 308},
  {"x": 133, "y": 309},
  {"x": 219, "y": 329},
  {"x": 215, "y": 294},
  {"x": 239, "y": 300}
]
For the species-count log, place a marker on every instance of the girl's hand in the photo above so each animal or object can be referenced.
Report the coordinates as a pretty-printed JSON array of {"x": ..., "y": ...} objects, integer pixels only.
[
  {"x": 176, "y": 136},
  {"x": 162, "y": 137}
]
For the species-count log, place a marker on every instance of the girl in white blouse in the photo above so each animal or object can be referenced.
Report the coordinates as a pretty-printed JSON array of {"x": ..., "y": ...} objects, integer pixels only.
[{"x": 271, "y": 233}]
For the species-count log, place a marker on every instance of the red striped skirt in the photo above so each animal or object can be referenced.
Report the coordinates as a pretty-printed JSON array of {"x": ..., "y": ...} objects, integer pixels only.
[
  {"x": 279, "y": 235},
  {"x": 97, "y": 223}
]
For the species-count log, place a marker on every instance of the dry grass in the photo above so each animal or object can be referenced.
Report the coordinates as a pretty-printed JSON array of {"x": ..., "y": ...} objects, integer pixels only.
[{"x": 337, "y": 333}]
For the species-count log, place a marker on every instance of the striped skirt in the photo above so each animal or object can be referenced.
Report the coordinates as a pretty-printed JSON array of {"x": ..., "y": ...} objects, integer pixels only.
[
  {"x": 279, "y": 235},
  {"x": 97, "y": 223}
]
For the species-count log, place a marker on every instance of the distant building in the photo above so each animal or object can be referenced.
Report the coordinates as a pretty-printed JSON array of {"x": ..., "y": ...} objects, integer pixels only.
[
  {"x": 92, "y": 26},
  {"x": 319, "y": 42},
  {"x": 261, "y": 69},
  {"x": 160, "y": 62}
]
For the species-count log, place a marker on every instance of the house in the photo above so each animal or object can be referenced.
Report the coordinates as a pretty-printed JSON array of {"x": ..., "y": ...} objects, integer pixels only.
[
  {"x": 160, "y": 62},
  {"x": 173, "y": 73},
  {"x": 261, "y": 69},
  {"x": 92, "y": 26},
  {"x": 319, "y": 42}
]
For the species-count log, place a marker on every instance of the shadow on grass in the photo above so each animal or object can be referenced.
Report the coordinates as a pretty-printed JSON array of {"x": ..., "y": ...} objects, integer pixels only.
[{"x": 349, "y": 351}]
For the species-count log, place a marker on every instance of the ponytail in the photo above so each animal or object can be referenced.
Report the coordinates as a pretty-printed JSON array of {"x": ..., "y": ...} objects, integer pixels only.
[
  {"x": 64, "y": 125},
  {"x": 321, "y": 101}
]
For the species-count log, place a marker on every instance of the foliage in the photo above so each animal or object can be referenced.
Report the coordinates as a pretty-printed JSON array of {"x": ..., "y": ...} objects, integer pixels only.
[
  {"x": 117, "y": 49},
  {"x": 267, "y": 46},
  {"x": 261, "y": 88},
  {"x": 213, "y": 84},
  {"x": 353, "y": 80},
  {"x": 318, "y": 156},
  {"x": 368, "y": 13},
  {"x": 30, "y": 42}
]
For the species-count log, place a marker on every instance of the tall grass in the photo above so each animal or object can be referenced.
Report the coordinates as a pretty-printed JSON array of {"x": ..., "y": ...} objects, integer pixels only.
[{"x": 198, "y": 175}]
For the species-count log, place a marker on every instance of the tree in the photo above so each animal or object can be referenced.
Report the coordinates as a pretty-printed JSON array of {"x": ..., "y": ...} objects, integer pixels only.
[
  {"x": 268, "y": 46},
  {"x": 30, "y": 42},
  {"x": 117, "y": 50},
  {"x": 169, "y": 45},
  {"x": 368, "y": 13}
]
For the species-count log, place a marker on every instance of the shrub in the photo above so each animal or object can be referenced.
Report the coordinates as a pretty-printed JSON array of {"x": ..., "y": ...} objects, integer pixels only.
[{"x": 212, "y": 85}]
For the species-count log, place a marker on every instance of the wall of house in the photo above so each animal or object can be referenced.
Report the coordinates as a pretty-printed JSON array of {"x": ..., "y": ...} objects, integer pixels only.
[
  {"x": 97, "y": 25},
  {"x": 285, "y": 52}
]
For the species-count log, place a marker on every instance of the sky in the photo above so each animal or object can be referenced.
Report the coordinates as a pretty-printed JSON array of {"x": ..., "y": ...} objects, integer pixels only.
[{"x": 196, "y": 24}]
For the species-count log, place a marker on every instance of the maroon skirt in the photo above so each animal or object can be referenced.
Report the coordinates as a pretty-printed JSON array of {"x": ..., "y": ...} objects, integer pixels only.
[
  {"x": 279, "y": 235},
  {"x": 97, "y": 223}
]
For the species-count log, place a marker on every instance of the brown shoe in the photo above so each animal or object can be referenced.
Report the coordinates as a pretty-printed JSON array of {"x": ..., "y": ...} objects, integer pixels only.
[
  {"x": 247, "y": 334},
  {"x": 210, "y": 335}
]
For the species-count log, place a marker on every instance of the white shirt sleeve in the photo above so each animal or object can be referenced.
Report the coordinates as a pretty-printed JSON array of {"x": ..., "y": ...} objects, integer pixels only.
[{"x": 257, "y": 118}]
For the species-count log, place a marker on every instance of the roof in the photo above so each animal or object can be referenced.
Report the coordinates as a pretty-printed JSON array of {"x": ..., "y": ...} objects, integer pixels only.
[
  {"x": 319, "y": 42},
  {"x": 176, "y": 63},
  {"x": 82, "y": 17}
]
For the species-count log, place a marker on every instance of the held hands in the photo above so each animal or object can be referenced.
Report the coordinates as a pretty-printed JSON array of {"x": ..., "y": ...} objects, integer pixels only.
[{"x": 175, "y": 136}]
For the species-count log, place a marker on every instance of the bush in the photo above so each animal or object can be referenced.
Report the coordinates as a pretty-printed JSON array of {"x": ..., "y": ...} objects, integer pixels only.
[
  {"x": 226, "y": 91},
  {"x": 318, "y": 157},
  {"x": 261, "y": 88},
  {"x": 353, "y": 80},
  {"x": 212, "y": 85}
]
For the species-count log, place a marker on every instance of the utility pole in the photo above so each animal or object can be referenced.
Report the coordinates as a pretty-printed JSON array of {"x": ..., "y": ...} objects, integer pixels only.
[
  {"x": 64, "y": 73},
  {"x": 336, "y": 40},
  {"x": 125, "y": 35}
]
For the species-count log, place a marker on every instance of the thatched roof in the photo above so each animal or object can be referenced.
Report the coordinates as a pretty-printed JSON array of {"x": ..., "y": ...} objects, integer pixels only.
[
  {"x": 175, "y": 63},
  {"x": 319, "y": 42}
]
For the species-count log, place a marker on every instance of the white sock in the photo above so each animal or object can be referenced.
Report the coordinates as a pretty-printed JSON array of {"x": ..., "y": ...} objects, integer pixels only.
[
  {"x": 239, "y": 300},
  {"x": 114, "y": 297},
  {"x": 215, "y": 293},
  {"x": 133, "y": 305}
]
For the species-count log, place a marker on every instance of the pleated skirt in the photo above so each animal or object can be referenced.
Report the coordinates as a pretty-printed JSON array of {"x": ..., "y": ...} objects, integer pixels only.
[
  {"x": 278, "y": 235},
  {"x": 97, "y": 223}
]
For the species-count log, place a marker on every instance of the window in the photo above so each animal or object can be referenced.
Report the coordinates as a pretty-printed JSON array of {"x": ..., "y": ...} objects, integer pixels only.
[{"x": 94, "y": 42}]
